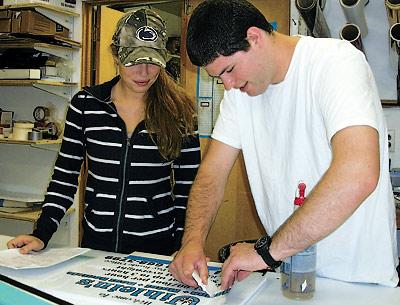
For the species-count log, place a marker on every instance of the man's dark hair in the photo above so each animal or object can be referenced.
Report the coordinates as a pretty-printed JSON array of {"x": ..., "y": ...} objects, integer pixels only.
[{"x": 219, "y": 27}]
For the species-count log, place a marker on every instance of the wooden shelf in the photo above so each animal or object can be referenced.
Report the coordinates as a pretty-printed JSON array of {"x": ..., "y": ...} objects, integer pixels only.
[
  {"x": 60, "y": 89},
  {"x": 27, "y": 142},
  {"x": 30, "y": 82},
  {"x": 9, "y": 41},
  {"x": 63, "y": 16},
  {"x": 31, "y": 216},
  {"x": 41, "y": 6}
]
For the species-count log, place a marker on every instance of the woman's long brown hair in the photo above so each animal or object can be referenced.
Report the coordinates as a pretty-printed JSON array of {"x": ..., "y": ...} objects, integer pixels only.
[{"x": 170, "y": 115}]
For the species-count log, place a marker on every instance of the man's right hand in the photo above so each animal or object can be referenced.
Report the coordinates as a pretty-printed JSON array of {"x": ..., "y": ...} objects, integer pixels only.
[
  {"x": 26, "y": 243},
  {"x": 190, "y": 257}
]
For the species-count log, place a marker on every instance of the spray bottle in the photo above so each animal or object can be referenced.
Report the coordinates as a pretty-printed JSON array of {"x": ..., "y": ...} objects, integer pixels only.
[{"x": 298, "y": 271}]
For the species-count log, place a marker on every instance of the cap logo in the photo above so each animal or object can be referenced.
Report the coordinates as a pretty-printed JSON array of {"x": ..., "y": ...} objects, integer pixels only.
[{"x": 146, "y": 33}]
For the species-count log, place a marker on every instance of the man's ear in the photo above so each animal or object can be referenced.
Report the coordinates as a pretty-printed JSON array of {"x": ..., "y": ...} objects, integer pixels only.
[{"x": 254, "y": 35}]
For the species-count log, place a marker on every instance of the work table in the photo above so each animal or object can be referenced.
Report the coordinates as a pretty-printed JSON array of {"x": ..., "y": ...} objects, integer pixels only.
[{"x": 328, "y": 292}]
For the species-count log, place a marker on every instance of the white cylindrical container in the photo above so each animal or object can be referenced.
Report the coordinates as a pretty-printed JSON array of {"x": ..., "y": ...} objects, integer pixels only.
[
  {"x": 393, "y": 11},
  {"x": 21, "y": 129},
  {"x": 354, "y": 12}
]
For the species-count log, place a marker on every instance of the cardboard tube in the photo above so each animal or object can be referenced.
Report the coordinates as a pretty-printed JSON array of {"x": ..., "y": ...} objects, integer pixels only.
[
  {"x": 351, "y": 32},
  {"x": 311, "y": 12},
  {"x": 392, "y": 8},
  {"x": 394, "y": 46},
  {"x": 354, "y": 12},
  {"x": 398, "y": 84}
]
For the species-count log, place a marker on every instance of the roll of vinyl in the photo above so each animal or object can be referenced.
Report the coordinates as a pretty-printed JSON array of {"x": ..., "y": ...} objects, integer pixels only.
[
  {"x": 21, "y": 129},
  {"x": 313, "y": 16},
  {"x": 322, "y": 4},
  {"x": 393, "y": 11},
  {"x": 351, "y": 32},
  {"x": 394, "y": 46},
  {"x": 354, "y": 12}
]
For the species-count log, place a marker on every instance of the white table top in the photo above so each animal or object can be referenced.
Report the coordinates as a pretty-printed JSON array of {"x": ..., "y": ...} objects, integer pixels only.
[{"x": 328, "y": 292}]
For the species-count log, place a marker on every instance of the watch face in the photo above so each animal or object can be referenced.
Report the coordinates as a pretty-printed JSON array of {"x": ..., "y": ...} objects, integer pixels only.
[{"x": 262, "y": 242}]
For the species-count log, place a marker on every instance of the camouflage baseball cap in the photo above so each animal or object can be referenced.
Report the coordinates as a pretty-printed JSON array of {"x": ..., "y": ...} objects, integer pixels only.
[{"x": 141, "y": 37}]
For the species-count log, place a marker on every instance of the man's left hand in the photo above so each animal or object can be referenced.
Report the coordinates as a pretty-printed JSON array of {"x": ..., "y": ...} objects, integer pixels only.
[{"x": 243, "y": 260}]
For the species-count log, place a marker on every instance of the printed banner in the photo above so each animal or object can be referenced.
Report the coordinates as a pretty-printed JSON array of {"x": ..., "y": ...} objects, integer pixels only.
[{"x": 118, "y": 279}]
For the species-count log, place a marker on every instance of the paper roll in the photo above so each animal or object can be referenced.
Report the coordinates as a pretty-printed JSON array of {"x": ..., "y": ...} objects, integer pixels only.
[
  {"x": 351, "y": 32},
  {"x": 394, "y": 46},
  {"x": 322, "y": 4},
  {"x": 354, "y": 12},
  {"x": 20, "y": 133},
  {"x": 392, "y": 8},
  {"x": 311, "y": 12},
  {"x": 398, "y": 85},
  {"x": 21, "y": 129}
]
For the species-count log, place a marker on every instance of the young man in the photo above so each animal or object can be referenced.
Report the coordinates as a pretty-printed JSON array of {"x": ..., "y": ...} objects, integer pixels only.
[{"x": 300, "y": 109}]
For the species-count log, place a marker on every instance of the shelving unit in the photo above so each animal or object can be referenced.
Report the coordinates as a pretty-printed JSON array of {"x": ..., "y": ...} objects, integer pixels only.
[
  {"x": 30, "y": 216},
  {"x": 28, "y": 142},
  {"x": 65, "y": 17},
  {"x": 29, "y": 164}
]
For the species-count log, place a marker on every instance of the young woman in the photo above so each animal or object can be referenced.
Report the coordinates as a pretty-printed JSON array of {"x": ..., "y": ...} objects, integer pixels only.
[{"x": 137, "y": 135}]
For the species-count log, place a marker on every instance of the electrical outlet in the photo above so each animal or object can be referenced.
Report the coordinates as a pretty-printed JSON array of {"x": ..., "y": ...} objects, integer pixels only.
[{"x": 391, "y": 137}]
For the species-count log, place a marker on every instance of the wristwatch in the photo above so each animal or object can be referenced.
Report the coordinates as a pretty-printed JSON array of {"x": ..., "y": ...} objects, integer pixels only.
[{"x": 262, "y": 248}]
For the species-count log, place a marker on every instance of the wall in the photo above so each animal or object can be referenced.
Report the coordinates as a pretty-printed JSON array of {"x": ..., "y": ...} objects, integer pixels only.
[{"x": 392, "y": 116}]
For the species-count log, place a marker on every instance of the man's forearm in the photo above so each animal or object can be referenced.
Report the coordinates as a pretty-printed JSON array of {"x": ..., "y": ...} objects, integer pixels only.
[
  {"x": 204, "y": 200},
  {"x": 208, "y": 190}
]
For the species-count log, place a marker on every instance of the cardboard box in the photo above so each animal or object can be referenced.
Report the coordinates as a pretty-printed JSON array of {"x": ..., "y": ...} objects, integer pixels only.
[
  {"x": 5, "y": 21},
  {"x": 32, "y": 22},
  {"x": 67, "y": 4},
  {"x": 20, "y": 74}
]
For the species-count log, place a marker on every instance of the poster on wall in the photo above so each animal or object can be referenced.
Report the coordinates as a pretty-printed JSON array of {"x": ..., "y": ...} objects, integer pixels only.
[
  {"x": 142, "y": 279},
  {"x": 210, "y": 92}
]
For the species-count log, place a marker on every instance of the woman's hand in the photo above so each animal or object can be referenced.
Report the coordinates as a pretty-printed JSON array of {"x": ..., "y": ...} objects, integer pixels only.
[{"x": 26, "y": 243}]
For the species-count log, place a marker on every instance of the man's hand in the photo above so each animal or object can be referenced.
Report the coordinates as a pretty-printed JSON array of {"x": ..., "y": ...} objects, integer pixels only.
[
  {"x": 26, "y": 243},
  {"x": 189, "y": 258},
  {"x": 243, "y": 260}
]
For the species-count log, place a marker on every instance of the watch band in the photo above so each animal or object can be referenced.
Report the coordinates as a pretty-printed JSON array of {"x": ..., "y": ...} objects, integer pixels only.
[{"x": 262, "y": 247}]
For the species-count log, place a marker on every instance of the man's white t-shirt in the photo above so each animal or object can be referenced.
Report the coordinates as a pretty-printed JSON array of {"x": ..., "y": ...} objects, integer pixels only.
[{"x": 285, "y": 136}]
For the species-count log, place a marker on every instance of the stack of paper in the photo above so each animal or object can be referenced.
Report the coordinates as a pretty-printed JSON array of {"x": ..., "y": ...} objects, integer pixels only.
[{"x": 14, "y": 206}]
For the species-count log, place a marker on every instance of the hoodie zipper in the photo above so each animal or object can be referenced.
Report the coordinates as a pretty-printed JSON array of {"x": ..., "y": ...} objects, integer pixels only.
[
  {"x": 123, "y": 178},
  {"x": 122, "y": 194}
]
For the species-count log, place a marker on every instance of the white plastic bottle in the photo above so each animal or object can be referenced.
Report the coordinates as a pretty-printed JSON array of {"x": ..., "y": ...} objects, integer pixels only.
[{"x": 298, "y": 271}]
